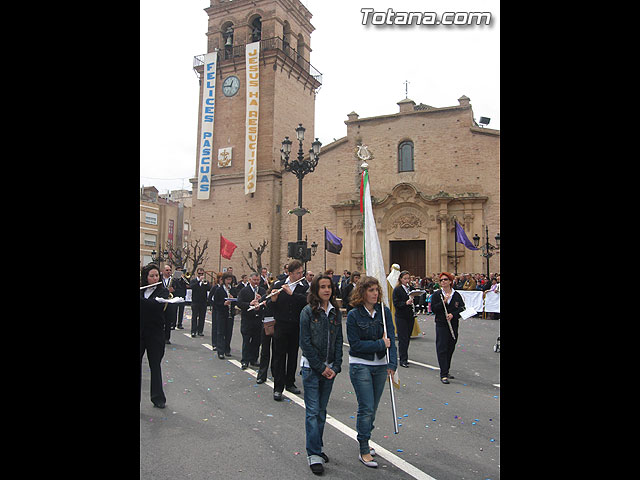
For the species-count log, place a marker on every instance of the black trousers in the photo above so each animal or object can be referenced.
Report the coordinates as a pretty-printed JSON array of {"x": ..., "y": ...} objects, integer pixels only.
[
  {"x": 224, "y": 325},
  {"x": 285, "y": 354},
  {"x": 250, "y": 330},
  {"x": 180, "y": 314},
  {"x": 198, "y": 312},
  {"x": 445, "y": 346},
  {"x": 154, "y": 346},
  {"x": 169, "y": 319},
  {"x": 404, "y": 326},
  {"x": 265, "y": 354}
]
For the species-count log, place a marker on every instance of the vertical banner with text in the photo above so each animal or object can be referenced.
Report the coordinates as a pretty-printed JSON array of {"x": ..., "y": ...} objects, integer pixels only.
[
  {"x": 206, "y": 125},
  {"x": 252, "y": 54}
]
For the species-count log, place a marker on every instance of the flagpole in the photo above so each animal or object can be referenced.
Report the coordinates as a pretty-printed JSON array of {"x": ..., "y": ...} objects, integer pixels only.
[
  {"x": 393, "y": 398},
  {"x": 220, "y": 255},
  {"x": 455, "y": 250},
  {"x": 325, "y": 249}
]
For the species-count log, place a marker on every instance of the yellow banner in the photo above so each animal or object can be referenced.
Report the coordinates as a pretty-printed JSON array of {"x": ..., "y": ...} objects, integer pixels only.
[{"x": 252, "y": 55}]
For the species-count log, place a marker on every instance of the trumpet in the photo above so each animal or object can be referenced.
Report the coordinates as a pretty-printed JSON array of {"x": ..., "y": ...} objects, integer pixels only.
[{"x": 275, "y": 292}]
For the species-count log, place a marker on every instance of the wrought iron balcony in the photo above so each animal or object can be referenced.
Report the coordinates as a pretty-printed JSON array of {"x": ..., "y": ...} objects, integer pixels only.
[{"x": 275, "y": 43}]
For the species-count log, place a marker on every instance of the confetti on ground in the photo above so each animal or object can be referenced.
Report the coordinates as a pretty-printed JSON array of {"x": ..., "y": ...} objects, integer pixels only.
[{"x": 399, "y": 450}]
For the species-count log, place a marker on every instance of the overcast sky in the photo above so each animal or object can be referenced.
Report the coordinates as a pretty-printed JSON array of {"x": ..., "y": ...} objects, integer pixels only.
[{"x": 363, "y": 68}]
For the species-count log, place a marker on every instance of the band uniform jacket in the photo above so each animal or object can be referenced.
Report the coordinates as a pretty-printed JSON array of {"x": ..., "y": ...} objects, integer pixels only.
[
  {"x": 152, "y": 314},
  {"x": 180, "y": 285},
  {"x": 219, "y": 299},
  {"x": 288, "y": 307},
  {"x": 455, "y": 306},
  {"x": 245, "y": 296},
  {"x": 400, "y": 298},
  {"x": 199, "y": 292}
]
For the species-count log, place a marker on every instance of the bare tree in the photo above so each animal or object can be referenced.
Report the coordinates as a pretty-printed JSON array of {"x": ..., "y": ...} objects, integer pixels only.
[
  {"x": 196, "y": 253},
  {"x": 177, "y": 256},
  {"x": 259, "y": 251}
]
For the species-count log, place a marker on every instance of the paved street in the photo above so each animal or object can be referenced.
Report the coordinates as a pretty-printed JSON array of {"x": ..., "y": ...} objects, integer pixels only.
[{"x": 218, "y": 423}]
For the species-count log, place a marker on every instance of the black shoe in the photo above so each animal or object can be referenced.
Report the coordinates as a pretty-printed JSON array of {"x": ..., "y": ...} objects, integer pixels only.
[
  {"x": 260, "y": 380},
  {"x": 180, "y": 327},
  {"x": 317, "y": 468},
  {"x": 228, "y": 354},
  {"x": 444, "y": 380},
  {"x": 244, "y": 366},
  {"x": 404, "y": 364},
  {"x": 193, "y": 335},
  {"x": 277, "y": 396},
  {"x": 173, "y": 328},
  {"x": 451, "y": 376},
  {"x": 221, "y": 356},
  {"x": 201, "y": 334},
  {"x": 214, "y": 348},
  {"x": 293, "y": 389},
  {"x": 159, "y": 404},
  {"x": 324, "y": 457}
]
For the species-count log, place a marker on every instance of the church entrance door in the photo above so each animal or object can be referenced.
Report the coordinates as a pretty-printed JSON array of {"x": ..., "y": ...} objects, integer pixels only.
[{"x": 410, "y": 255}]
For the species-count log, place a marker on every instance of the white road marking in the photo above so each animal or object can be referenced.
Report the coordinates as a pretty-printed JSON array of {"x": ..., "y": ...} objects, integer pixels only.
[{"x": 380, "y": 450}]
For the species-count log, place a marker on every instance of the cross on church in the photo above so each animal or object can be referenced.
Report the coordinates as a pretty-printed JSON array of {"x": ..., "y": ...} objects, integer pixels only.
[{"x": 406, "y": 89}]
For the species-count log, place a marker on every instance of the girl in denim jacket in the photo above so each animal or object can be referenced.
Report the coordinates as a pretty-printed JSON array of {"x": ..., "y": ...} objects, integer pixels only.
[
  {"x": 321, "y": 344},
  {"x": 368, "y": 367}
]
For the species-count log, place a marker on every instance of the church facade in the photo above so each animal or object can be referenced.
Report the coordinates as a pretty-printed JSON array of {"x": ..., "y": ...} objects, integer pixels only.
[{"x": 429, "y": 168}]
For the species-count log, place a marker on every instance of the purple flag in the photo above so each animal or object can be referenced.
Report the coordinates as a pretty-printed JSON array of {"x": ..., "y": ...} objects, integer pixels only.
[
  {"x": 332, "y": 243},
  {"x": 461, "y": 237}
]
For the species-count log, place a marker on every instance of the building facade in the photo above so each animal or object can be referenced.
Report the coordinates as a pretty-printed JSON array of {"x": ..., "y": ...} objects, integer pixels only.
[
  {"x": 162, "y": 221},
  {"x": 430, "y": 166}
]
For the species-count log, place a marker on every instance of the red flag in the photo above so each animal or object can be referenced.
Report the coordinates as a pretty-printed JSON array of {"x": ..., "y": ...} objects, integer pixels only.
[{"x": 226, "y": 247}]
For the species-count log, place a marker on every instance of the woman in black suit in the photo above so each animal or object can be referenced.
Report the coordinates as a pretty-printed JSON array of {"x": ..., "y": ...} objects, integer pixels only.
[
  {"x": 152, "y": 331},
  {"x": 403, "y": 305},
  {"x": 225, "y": 311},
  {"x": 446, "y": 305}
]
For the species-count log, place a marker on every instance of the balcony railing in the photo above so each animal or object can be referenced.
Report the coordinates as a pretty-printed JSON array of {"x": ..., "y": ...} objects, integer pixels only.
[{"x": 275, "y": 43}]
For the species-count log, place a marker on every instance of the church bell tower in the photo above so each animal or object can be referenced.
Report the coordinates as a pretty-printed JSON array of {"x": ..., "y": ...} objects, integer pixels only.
[{"x": 261, "y": 88}]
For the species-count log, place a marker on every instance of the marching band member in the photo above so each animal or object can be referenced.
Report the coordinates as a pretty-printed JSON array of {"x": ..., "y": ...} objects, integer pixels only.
[
  {"x": 286, "y": 307},
  {"x": 404, "y": 316},
  {"x": 250, "y": 322},
  {"x": 180, "y": 286},
  {"x": 199, "y": 289},
  {"x": 446, "y": 305},
  {"x": 152, "y": 338},
  {"x": 225, "y": 311},
  {"x": 172, "y": 310}
]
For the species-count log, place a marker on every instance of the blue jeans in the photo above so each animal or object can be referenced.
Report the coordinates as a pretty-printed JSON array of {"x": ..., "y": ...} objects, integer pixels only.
[
  {"x": 368, "y": 382},
  {"x": 316, "y": 396}
]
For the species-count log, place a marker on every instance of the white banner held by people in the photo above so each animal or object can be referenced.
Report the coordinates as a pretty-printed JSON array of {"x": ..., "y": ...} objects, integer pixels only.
[
  {"x": 252, "y": 55},
  {"x": 206, "y": 126}
]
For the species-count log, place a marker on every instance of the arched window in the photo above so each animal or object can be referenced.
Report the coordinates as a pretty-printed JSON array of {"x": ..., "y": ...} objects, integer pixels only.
[
  {"x": 405, "y": 156},
  {"x": 227, "y": 39},
  {"x": 256, "y": 29}
]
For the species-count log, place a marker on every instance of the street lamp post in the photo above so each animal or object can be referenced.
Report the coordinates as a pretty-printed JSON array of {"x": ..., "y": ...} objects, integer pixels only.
[
  {"x": 159, "y": 257},
  {"x": 487, "y": 247},
  {"x": 299, "y": 167}
]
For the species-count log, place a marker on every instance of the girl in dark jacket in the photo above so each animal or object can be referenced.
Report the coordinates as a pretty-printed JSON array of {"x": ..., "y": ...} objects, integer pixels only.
[
  {"x": 446, "y": 305},
  {"x": 152, "y": 331},
  {"x": 368, "y": 365},
  {"x": 321, "y": 344}
]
